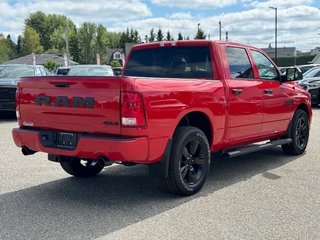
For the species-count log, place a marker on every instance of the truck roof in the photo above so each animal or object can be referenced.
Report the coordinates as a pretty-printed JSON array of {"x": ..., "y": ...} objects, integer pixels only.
[{"x": 198, "y": 42}]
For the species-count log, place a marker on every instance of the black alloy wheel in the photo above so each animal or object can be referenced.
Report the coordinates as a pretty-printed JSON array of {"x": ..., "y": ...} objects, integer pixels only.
[
  {"x": 192, "y": 162},
  {"x": 299, "y": 134},
  {"x": 189, "y": 161}
]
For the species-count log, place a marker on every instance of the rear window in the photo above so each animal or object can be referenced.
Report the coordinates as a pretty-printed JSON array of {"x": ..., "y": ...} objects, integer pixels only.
[
  {"x": 171, "y": 62},
  {"x": 16, "y": 71}
]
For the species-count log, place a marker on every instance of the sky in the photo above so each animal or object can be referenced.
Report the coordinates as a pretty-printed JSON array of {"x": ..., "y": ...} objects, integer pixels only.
[{"x": 246, "y": 21}]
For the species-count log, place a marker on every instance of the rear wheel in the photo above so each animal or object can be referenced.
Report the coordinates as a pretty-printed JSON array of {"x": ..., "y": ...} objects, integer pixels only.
[
  {"x": 299, "y": 134},
  {"x": 189, "y": 161},
  {"x": 81, "y": 168}
]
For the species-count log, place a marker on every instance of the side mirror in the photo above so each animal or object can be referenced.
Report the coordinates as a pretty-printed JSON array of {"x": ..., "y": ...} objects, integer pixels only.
[{"x": 292, "y": 74}]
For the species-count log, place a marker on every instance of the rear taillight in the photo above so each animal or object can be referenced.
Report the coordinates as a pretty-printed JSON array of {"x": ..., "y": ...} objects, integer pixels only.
[
  {"x": 132, "y": 110},
  {"x": 17, "y": 104}
]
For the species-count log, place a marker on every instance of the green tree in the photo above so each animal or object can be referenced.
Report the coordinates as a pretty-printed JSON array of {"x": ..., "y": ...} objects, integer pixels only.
[
  {"x": 200, "y": 34},
  {"x": 37, "y": 21},
  {"x": 87, "y": 36},
  {"x": 31, "y": 41},
  {"x": 152, "y": 36},
  {"x": 58, "y": 39},
  {"x": 180, "y": 37},
  {"x": 74, "y": 45},
  {"x": 115, "y": 63},
  {"x": 160, "y": 36},
  {"x": 47, "y": 25},
  {"x": 136, "y": 37},
  {"x": 169, "y": 37},
  {"x": 4, "y": 49},
  {"x": 12, "y": 46},
  {"x": 19, "y": 46},
  {"x": 50, "y": 65},
  {"x": 114, "y": 39},
  {"x": 102, "y": 42}
]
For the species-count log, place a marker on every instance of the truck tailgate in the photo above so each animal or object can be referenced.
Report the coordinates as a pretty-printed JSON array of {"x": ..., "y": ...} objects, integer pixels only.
[{"x": 72, "y": 104}]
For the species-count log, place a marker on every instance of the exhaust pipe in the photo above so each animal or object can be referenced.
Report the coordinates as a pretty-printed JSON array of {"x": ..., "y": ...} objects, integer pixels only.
[
  {"x": 103, "y": 161},
  {"x": 26, "y": 151}
]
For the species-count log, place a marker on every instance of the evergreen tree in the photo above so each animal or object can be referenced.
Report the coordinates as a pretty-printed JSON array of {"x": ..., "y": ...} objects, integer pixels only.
[
  {"x": 200, "y": 34},
  {"x": 160, "y": 36},
  {"x": 87, "y": 35},
  {"x": 74, "y": 45},
  {"x": 169, "y": 37},
  {"x": 19, "y": 46},
  {"x": 4, "y": 49},
  {"x": 180, "y": 36},
  {"x": 152, "y": 36},
  {"x": 12, "y": 46}
]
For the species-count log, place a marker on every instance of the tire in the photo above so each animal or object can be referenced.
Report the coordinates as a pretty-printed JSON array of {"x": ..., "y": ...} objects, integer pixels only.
[
  {"x": 189, "y": 161},
  {"x": 299, "y": 133},
  {"x": 79, "y": 168}
]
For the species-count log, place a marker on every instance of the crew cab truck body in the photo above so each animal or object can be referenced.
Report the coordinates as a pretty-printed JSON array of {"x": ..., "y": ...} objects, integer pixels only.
[{"x": 176, "y": 103}]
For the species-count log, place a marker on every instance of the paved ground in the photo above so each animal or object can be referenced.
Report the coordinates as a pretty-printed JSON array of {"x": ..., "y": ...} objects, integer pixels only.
[{"x": 266, "y": 195}]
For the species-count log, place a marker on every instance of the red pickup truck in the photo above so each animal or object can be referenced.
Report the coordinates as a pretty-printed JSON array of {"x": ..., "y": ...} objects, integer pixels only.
[{"x": 174, "y": 105}]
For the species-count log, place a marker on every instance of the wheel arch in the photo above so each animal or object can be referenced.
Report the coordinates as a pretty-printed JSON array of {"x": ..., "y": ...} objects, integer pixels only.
[
  {"x": 304, "y": 107},
  {"x": 199, "y": 120}
]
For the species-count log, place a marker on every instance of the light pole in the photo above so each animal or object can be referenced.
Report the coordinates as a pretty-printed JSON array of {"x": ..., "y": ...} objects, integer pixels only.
[
  {"x": 275, "y": 31},
  {"x": 220, "y": 30}
]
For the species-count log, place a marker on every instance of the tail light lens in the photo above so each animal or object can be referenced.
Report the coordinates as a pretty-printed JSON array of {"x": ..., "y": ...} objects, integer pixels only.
[
  {"x": 18, "y": 103},
  {"x": 132, "y": 110}
]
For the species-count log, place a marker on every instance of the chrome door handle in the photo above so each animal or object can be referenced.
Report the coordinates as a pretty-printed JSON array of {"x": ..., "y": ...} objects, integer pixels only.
[
  {"x": 268, "y": 91},
  {"x": 236, "y": 91}
]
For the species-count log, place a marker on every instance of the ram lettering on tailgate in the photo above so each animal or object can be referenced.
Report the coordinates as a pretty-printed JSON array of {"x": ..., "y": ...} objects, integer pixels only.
[{"x": 63, "y": 101}]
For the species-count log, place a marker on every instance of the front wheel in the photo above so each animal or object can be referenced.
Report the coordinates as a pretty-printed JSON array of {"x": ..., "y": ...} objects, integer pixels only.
[
  {"x": 189, "y": 161},
  {"x": 81, "y": 168},
  {"x": 299, "y": 134}
]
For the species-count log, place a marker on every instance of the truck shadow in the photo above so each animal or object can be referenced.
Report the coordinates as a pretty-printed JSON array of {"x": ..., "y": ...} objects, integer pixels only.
[{"x": 73, "y": 208}]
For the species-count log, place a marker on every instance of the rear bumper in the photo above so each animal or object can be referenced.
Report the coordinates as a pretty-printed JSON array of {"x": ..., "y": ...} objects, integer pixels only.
[{"x": 89, "y": 146}]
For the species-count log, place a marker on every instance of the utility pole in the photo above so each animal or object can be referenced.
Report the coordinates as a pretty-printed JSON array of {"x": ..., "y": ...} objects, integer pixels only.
[
  {"x": 275, "y": 32},
  {"x": 220, "y": 30}
]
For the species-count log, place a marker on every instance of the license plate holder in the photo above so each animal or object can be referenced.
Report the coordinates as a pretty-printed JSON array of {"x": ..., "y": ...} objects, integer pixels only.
[{"x": 66, "y": 140}]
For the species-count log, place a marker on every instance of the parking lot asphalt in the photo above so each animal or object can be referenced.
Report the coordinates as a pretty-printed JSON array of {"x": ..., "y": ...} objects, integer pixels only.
[{"x": 265, "y": 195}]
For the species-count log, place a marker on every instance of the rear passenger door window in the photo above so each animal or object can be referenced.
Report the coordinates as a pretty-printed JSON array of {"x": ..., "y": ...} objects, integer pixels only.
[
  {"x": 239, "y": 63},
  {"x": 267, "y": 70}
]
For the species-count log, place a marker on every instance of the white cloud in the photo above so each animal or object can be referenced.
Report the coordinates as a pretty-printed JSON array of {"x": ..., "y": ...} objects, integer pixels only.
[
  {"x": 297, "y": 26},
  {"x": 279, "y": 4},
  {"x": 12, "y": 16},
  {"x": 195, "y": 3},
  {"x": 298, "y": 21}
]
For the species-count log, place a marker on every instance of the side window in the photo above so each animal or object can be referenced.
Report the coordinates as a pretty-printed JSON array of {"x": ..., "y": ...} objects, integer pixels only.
[
  {"x": 239, "y": 64},
  {"x": 266, "y": 69}
]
